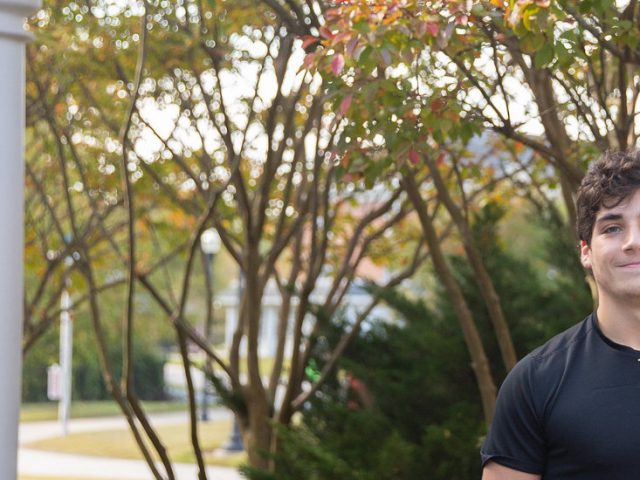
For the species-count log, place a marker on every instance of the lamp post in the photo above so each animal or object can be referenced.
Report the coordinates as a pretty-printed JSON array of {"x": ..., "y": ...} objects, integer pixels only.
[
  {"x": 66, "y": 349},
  {"x": 12, "y": 118},
  {"x": 66, "y": 353},
  {"x": 234, "y": 442},
  {"x": 210, "y": 244}
]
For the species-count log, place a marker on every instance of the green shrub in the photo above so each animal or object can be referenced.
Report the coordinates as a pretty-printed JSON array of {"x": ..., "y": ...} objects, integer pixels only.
[{"x": 87, "y": 377}]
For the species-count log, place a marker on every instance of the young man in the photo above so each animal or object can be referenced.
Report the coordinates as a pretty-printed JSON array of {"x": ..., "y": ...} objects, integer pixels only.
[{"x": 571, "y": 408}]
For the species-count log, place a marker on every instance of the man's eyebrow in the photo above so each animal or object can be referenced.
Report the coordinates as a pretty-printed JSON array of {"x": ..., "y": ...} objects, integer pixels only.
[{"x": 608, "y": 217}]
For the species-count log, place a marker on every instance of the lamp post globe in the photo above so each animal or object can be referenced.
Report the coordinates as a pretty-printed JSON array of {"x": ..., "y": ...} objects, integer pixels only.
[{"x": 210, "y": 241}]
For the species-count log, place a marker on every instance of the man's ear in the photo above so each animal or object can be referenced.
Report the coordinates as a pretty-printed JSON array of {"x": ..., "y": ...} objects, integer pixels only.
[{"x": 585, "y": 254}]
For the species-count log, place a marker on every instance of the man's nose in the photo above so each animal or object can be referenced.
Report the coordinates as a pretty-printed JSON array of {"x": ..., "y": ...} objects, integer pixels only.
[{"x": 632, "y": 238}]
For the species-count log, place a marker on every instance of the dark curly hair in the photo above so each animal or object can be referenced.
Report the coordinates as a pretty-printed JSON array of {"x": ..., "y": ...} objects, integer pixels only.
[{"x": 607, "y": 183}]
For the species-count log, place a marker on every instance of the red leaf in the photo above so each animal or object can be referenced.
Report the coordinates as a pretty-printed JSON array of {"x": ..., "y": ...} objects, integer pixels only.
[
  {"x": 309, "y": 40},
  {"x": 352, "y": 177},
  {"x": 409, "y": 115},
  {"x": 345, "y": 104},
  {"x": 340, "y": 37},
  {"x": 345, "y": 160},
  {"x": 438, "y": 104},
  {"x": 309, "y": 59},
  {"x": 351, "y": 46},
  {"x": 414, "y": 157},
  {"x": 432, "y": 28},
  {"x": 440, "y": 159},
  {"x": 337, "y": 64},
  {"x": 332, "y": 14},
  {"x": 326, "y": 33}
]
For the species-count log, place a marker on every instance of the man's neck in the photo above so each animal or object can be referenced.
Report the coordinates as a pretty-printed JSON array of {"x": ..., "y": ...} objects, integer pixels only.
[{"x": 620, "y": 322}]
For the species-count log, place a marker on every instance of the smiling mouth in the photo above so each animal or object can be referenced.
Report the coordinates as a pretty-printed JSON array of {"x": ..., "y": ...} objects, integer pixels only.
[{"x": 631, "y": 265}]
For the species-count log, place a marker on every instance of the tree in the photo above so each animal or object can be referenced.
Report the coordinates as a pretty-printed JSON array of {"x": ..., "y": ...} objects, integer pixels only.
[
  {"x": 558, "y": 77},
  {"x": 553, "y": 77},
  {"x": 204, "y": 114}
]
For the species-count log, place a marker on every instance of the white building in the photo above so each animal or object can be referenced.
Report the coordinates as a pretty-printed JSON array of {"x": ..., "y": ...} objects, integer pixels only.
[{"x": 356, "y": 300}]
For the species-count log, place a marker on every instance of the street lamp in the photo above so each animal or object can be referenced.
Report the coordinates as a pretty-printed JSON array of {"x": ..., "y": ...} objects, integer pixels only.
[
  {"x": 210, "y": 244},
  {"x": 66, "y": 345},
  {"x": 210, "y": 241},
  {"x": 234, "y": 443}
]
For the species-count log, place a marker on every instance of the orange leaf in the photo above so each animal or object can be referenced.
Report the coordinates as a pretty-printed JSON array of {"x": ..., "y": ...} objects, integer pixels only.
[{"x": 392, "y": 17}]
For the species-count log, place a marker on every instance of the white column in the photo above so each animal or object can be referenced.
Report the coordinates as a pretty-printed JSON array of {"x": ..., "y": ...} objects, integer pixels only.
[
  {"x": 269, "y": 332},
  {"x": 12, "y": 68},
  {"x": 230, "y": 322}
]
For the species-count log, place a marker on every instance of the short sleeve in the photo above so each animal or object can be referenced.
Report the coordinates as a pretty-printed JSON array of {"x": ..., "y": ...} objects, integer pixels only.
[{"x": 516, "y": 435}]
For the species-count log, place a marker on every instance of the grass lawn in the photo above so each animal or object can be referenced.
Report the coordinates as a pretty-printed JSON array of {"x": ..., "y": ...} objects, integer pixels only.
[
  {"x": 35, "y": 412},
  {"x": 121, "y": 444}
]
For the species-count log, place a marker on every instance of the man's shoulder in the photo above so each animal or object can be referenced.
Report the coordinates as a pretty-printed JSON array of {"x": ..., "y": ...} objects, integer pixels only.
[
  {"x": 565, "y": 342},
  {"x": 537, "y": 378},
  {"x": 550, "y": 359}
]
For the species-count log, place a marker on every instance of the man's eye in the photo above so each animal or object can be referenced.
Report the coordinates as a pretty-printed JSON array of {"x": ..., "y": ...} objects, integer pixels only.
[{"x": 612, "y": 229}]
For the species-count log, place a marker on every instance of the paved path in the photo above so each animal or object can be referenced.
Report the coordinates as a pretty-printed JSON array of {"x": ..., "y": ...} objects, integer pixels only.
[{"x": 62, "y": 465}]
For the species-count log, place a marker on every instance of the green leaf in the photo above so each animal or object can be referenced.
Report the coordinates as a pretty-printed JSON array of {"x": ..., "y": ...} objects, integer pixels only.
[
  {"x": 544, "y": 56},
  {"x": 466, "y": 131},
  {"x": 361, "y": 26},
  {"x": 564, "y": 55},
  {"x": 543, "y": 19},
  {"x": 364, "y": 56},
  {"x": 537, "y": 41},
  {"x": 585, "y": 6},
  {"x": 602, "y": 6},
  {"x": 529, "y": 15}
]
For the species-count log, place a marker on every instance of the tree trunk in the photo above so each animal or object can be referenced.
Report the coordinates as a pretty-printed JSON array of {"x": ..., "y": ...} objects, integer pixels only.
[
  {"x": 488, "y": 291},
  {"x": 256, "y": 430},
  {"x": 479, "y": 360}
]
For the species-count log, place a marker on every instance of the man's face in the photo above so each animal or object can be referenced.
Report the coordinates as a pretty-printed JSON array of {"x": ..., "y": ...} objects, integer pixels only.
[{"x": 614, "y": 253}]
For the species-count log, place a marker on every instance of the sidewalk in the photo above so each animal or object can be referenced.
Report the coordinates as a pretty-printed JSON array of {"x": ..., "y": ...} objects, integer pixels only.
[{"x": 62, "y": 465}]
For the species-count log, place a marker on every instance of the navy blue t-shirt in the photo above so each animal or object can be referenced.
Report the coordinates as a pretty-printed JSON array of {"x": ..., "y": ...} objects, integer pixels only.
[{"x": 570, "y": 410}]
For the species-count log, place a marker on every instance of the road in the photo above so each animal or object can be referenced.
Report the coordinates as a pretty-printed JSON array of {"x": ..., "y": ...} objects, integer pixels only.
[{"x": 61, "y": 465}]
